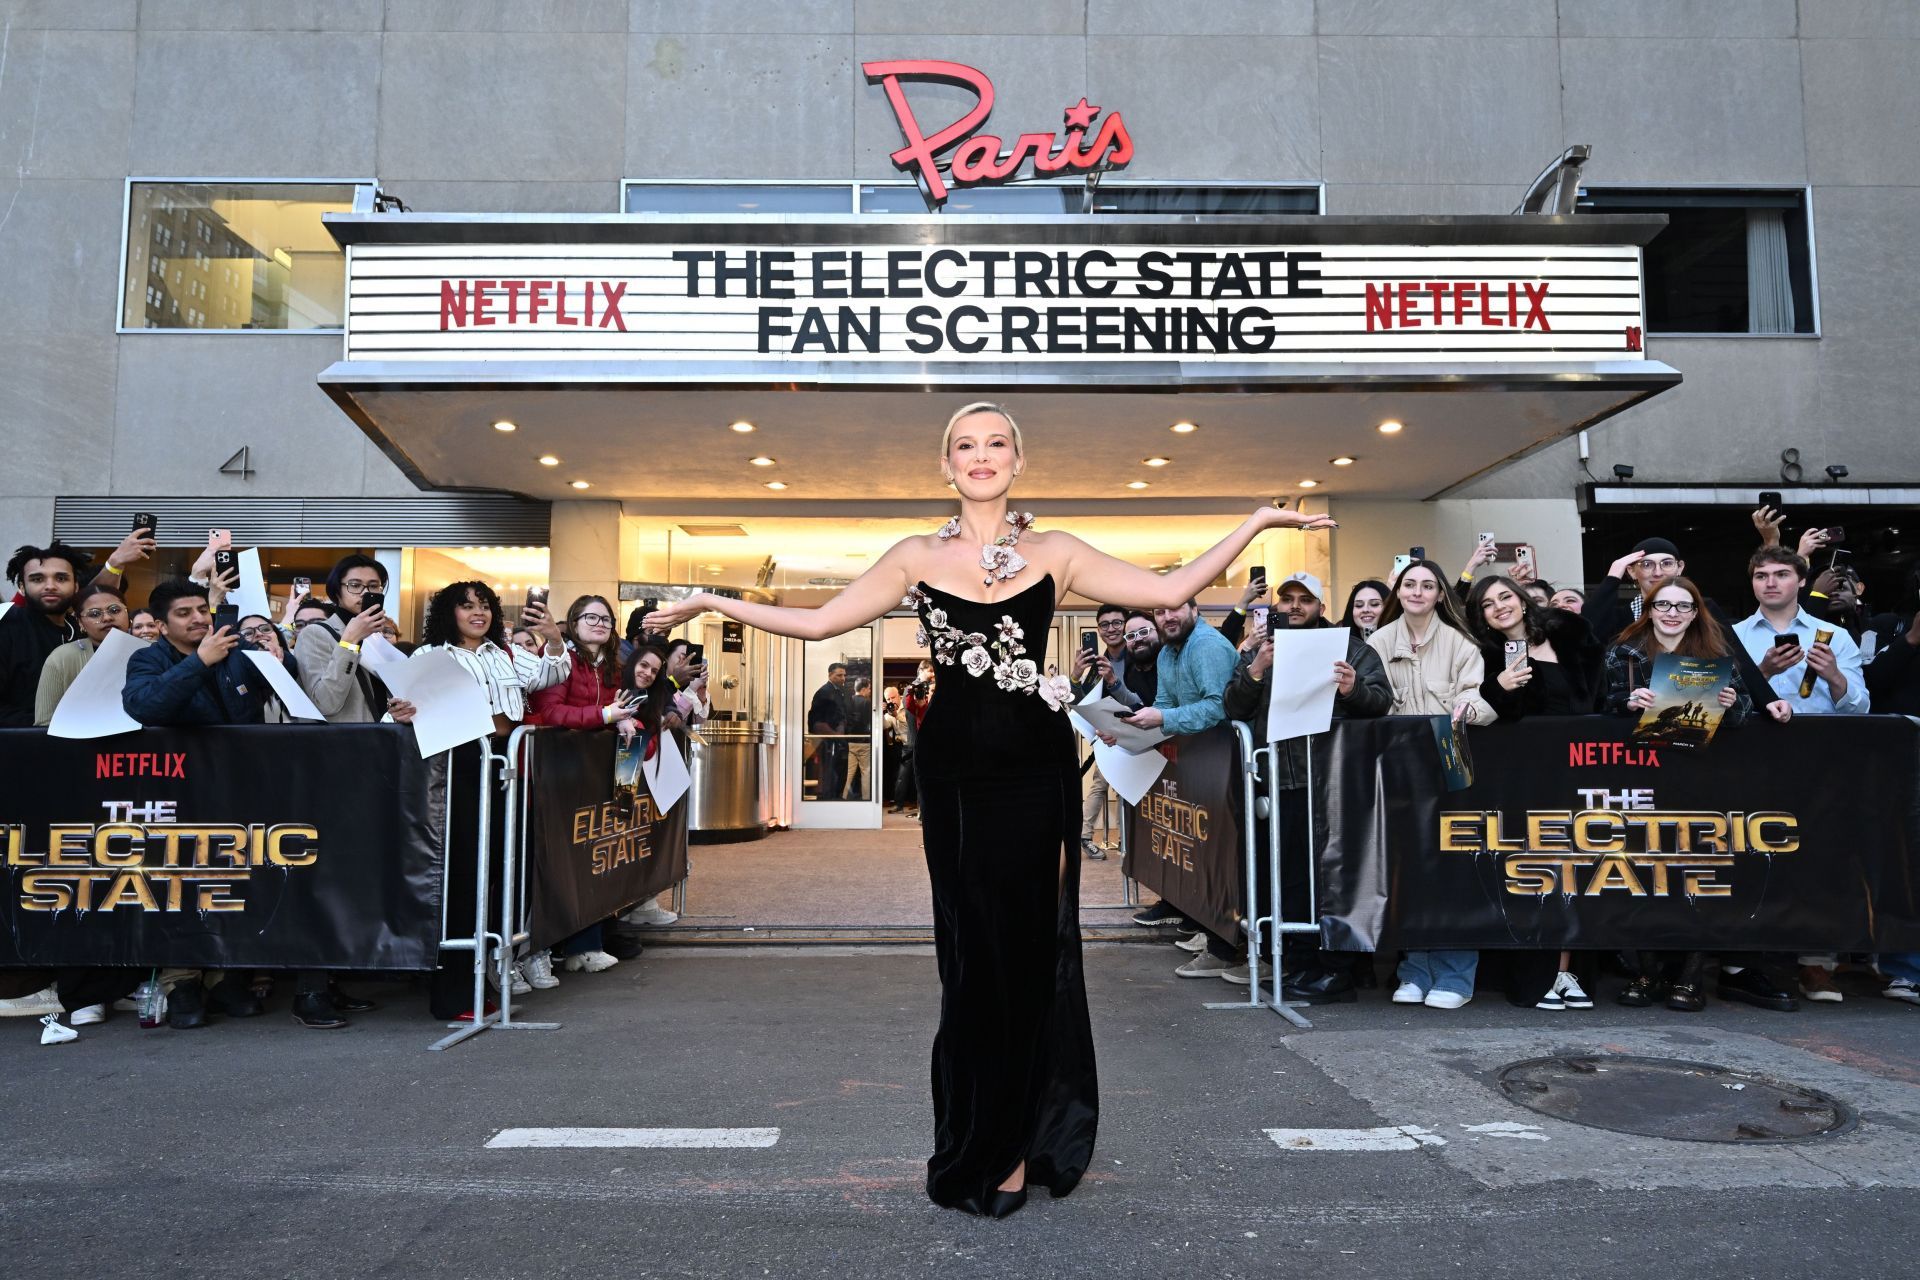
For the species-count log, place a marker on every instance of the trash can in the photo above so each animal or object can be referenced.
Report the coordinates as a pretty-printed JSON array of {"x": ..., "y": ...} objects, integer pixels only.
[{"x": 730, "y": 779}]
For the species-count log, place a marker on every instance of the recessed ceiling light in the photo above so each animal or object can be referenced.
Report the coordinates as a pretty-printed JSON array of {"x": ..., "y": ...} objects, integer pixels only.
[
  {"x": 1343, "y": 462},
  {"x": 743, "y": 427},
  {"x": 762, "y": 461},
  {"x": 1183, "y": 428},
  {"x": 1136, "y": 484},
  {"x": 504, "y": 425},
  {"x": 716, "y": 568},
  {"x": 548, "y": 460},
  {"x": 776, "y": 484},
  {"x": 1390, "y": 427},
  {"x": 1309, "y": 484},
  {"x": 1155, "y": 462},
  {"x": 581, "y": 484}
]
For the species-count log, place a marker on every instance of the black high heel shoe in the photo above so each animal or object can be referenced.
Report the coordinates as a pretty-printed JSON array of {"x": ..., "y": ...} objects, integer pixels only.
[{"x": 1004, "y": 1203}]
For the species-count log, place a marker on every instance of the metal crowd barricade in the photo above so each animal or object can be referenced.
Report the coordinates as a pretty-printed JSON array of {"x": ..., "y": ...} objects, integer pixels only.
[
  {"x": 1129, "y": 891},
  {"x": 1275, "y": 925},
  {"x": 493, "y": 952}
]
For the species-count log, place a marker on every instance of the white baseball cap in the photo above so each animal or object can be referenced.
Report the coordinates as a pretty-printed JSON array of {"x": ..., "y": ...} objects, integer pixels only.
[{"x": 1307, "y": 580}]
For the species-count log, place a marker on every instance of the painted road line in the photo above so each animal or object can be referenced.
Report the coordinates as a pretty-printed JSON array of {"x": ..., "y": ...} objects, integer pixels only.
[
  {"x": 659, "y": 1139},
  {"x": 1398, "y": 1137}
]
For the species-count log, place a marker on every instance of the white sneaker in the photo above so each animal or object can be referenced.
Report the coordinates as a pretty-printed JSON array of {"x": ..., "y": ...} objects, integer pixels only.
[
  {"x": 539, "y": 971},
  {"x": 1196, "y": 944},
  {"x": 590, "y": 962},
  {"x": 88, "y": 1016},
  {"x": 1204, "y": 965},
  {"x": 1445, "y": 1000},
  {"x": 650, "y": 912},
  {"x": 1409, "y": 993},
  {"x": 1552, "y": 1001},
  {"x": 37, "y": 1005},
  {"x": 1571, "y": 993},
  {"x": 517, "y": 980},
  {"x": 54, "y": 1033},
  {"x": 1239, "y": 976},
  {"x": 1902, "y": 989}
]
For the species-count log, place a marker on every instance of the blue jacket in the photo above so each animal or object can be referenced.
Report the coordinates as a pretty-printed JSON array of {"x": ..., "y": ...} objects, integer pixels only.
[
  {"x": 167, "y": 688},
  {"x": 1193, "y": 680}
]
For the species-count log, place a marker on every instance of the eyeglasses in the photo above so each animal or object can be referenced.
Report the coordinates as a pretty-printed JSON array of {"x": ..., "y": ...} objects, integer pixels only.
[
  {"x": 1139, "y": 633},
  {"x": 1672, "y": 606},
  {"x": 101, "y": 615},
  {"x": 360, "y": 586},
  {"x": 1109, "y": 626},
  {"x": 256, "y": 633},
  {"x": 1659, "y": 562},
  {"x": 599, "y": 619}
]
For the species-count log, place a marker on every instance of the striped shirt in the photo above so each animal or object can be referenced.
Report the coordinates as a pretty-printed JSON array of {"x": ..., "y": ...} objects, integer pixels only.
[{"x": 509, "y": 675}]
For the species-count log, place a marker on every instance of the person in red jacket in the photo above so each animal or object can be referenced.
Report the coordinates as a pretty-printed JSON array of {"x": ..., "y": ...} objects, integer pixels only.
[{"x": 584, "y": 700}]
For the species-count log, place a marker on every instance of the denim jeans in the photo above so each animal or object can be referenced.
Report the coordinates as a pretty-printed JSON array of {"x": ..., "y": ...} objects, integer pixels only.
[
  {"x": 1902, "y": 964},
  {"x": 1441, "y": 970}
]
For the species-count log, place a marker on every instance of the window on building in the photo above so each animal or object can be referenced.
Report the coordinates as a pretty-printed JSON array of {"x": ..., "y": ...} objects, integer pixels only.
[
  {"x": 738, "y": 197},
  {"x": 1729, "y": 261},
  {"x": 280, "y": 269}
]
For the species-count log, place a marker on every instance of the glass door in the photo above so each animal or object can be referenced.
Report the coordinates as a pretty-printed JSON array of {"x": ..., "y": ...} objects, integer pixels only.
[{"x": 834, "y": 756}]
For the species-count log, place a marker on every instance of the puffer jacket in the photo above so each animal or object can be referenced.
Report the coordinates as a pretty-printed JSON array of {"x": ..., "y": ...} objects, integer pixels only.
[{"x": 1445, "y": 671}]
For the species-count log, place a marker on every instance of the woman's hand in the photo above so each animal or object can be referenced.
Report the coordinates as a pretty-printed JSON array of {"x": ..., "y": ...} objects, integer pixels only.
[
  {"x": 1781, "y": 710},
  {"x": 1640, "y": 699},
  {"x": 1618, "y": 569},
  {"x": 402, "y": 711},
  {"x": 1515, "y": 677},
  {"x": 1465, "y": 713},
  {"x": 1729, "y": 696},
  {"x": 1272, "y": 517},
  {"x": 1483, "y": 553},
  {"x": 617, "y": 713},
  {"x": 667, "y": 617},
  {"x": 534, "y": 618}
]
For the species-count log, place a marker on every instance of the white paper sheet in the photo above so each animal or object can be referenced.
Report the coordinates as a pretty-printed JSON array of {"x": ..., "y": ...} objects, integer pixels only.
[
  {"x": 251, "y": 595},
  {"x": 666, "y": 774},
  {"x": 1302, "y": 681},
  {"x": 450, "y": 707},
  {"x": 91, "y": 707},
  {"x": 291, "y": 695},
  {"x": 1128, "y": 773},
  {"x": 1104, "y": 714}
]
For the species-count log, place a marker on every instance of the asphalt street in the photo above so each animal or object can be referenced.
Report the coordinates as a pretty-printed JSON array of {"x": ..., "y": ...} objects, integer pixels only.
[{"x": 256, "y": 1148}]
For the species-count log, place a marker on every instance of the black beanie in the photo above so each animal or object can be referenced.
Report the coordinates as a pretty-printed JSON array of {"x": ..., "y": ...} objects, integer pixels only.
[{"x": 1658, "y": 547}]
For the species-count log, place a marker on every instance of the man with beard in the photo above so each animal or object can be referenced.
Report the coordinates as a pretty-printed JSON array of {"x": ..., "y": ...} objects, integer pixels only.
[
  {"x": 48, "y": 579},
  {"x": 1361, "y": 689},
  {"x": 827, "y": 715}
]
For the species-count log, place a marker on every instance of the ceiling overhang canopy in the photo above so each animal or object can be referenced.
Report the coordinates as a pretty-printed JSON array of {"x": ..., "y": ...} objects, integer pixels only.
[{"x": 623, "y": 346}]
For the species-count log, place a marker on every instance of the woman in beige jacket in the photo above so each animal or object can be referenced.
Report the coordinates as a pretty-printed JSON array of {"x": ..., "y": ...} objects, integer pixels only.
[{"x": 1435, "y": 669}]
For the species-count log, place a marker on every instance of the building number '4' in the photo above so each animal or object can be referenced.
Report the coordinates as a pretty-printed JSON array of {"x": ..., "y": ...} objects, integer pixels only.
[{"x": 239, "y": 464}]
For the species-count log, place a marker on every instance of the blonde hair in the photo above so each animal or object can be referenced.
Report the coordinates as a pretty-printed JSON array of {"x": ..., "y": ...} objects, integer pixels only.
[{"x": 982, "y": 406}]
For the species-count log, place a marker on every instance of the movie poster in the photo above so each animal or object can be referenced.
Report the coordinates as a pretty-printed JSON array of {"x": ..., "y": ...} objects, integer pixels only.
[{"x": 1686, "y": 701}]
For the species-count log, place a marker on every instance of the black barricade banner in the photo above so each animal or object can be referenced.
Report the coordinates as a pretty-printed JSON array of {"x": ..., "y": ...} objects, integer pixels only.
[
  {"x": 1183, "y": 838},
  {"x": 1781, "y": 838},
  {"x": 596, "y": 847},
  {"x": 282, "y": 846}
]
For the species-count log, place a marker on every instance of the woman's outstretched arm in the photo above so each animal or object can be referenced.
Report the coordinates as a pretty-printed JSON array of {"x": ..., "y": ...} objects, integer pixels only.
[
  {"x": 1099, "y": 576},
  {"x": 867, "y": 597}
]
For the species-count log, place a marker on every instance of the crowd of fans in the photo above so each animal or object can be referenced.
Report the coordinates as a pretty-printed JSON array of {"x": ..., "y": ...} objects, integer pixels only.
[
  {"x": 1480, "y": 648},
  {"x": 1486, "y": 648},
  {"x": 189, "y": 671}
]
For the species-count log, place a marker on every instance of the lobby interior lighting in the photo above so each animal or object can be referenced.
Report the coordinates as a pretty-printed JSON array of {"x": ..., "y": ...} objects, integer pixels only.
[
  {"x": 776, "y": 484},
  {"x": 1392, "y": 427},
  {"x": 762, "y": 461},
  {"x": 1342, "y": 461},
  {"x": 1309, "y": 484},
  {"x": 743, "y": 427},
  {"x": 1183, "y": 428},
  {"x": 504, "y": 425},
  {"x": 548, "y": 460},
  {"x": 581, "y": 484},
  {"x": 1136, "y": 484},
  {"x": 1155, "y": 462}
]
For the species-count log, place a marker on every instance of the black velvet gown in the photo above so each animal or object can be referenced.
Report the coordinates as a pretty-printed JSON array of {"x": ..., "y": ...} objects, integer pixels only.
[{"x": 1013, "y": 1069}]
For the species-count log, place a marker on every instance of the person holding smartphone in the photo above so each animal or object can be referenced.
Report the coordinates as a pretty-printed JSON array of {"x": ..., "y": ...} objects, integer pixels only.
[{"x": 327, "y": 650}]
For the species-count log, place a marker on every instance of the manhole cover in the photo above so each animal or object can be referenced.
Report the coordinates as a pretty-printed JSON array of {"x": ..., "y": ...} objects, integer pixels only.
[{"x": 1668, "y": 1098}]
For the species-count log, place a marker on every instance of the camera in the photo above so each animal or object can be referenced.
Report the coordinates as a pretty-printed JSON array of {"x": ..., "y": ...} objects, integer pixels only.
[{"x": 1622, "y": 471}]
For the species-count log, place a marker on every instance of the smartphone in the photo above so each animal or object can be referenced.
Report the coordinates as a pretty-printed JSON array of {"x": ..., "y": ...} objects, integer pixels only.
[
  {"x": 1257, "y": 576},
  {"x": 1836, "y": 534},
  {"x": 302, "y": 588},
  {"x": 1842, "y": 563},
  {"x": 1089, "y": 641},
  {"x": 1788, "y": 641},
  {"x": 373, "y": 600},
  {"x": 696, "y": 655},
  {"x": 1523, "y": 555},
  {"x": 1516, "y": 652},
  {"x": 218, "y": 538},
  {"x": 225, "y": 561},
  {"x": 148, "y": 521},
  {"x": 1771, "y": 498},
  {"x": 537, "y": 596},
  {"x": 1262, "y": 615},
  {"x": 1400, "y": 564},
  {"x": 1488, "y": 539},
  {"x": 1416, "y": 553}
]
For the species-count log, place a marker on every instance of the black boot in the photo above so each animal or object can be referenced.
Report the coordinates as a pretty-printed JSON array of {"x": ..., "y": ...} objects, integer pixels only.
[
  {"x": 314, "y": 1010},
  {"x": 233, "y": 999},
  {"x": 1751, "y": 986},
  {"x": 344, "y": 1001},
  {"x": 1321, "y": 986},
  {"x": 187, "y": 1006}
]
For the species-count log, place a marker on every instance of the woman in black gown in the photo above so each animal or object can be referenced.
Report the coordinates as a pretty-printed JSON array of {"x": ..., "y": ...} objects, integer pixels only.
[{"x": 1015, "y": 1094}]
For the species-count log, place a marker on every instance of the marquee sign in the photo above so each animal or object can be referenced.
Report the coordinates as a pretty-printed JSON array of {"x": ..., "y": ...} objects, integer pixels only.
[
  {"x": 1116, "y": 302},
  {"x": 977, "y": 157}
]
